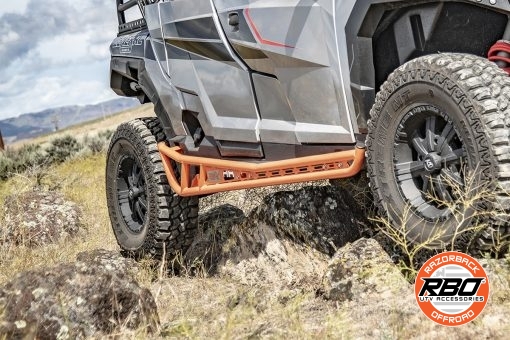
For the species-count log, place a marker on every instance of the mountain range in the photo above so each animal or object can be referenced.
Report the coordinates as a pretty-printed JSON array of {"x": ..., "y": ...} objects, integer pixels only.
[{"x": 31, "y": 125}]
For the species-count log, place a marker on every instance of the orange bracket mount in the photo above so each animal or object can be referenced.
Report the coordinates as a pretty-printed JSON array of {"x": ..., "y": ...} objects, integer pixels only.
[{"x": 218, "y": 175}]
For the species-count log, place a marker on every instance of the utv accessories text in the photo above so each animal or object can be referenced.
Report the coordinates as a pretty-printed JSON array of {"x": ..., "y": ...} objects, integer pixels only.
[{"x": 215, "y": 175}]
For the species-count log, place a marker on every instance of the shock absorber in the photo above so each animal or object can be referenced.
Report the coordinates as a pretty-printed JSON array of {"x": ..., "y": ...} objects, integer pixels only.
[
  {"x": 500, "y": 54},
  {"x": 500, "y": 51}
]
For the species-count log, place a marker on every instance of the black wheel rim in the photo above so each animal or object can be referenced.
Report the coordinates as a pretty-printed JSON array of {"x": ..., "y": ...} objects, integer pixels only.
[
  {"x": 131, "y": 193},
  {"x": 429, "y": 162}
]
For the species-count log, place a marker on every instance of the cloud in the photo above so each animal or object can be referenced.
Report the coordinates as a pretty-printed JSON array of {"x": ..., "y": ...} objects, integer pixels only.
[
  {"x": 9, "y": 38},
  {"x": 18, "y": 6},
  {"x": 49, "y": 19},
  {"x": 54, "y": 52},
  {"x": 77, "y": 84}
]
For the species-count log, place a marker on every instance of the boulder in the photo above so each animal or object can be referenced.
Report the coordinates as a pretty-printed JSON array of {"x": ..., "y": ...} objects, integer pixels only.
[
  {"x": 386, "y": 305},
  {"x": 322, "y": 217},
  {"x": 108, "y": 260},
  {"x": 94, "y": 296},
  {"x": 284, "y": 243},
  {"x": 38, "y": 218},
  {"x": 214, "y": 233},
  {"x": 258, "y": 256},
  {"x": 498, "y": 271},
  {"x": 360, "y": 269}
]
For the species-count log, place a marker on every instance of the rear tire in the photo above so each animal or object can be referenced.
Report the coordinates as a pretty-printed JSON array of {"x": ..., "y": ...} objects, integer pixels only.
[
  {"x": 147, "y": 217},
  {"x": 437, "y": 119}
]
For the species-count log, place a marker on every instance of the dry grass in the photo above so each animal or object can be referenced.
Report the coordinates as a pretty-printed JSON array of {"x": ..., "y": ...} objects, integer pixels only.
[
  {"x": 199, "y": 306},
  {"x": 219, "y": 309},
  {"x": 471, "y": 204},
  {"x": 189, "y": 306},
  {"x": 82, "y": 181}
]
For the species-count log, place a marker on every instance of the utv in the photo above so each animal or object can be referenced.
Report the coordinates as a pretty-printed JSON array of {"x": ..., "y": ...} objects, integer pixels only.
[{"x": 252, "y": 93}]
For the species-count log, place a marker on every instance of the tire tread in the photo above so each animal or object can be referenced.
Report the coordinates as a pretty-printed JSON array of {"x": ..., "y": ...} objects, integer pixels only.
[
  {"x": 173, "y": 224},
  {"x": 488, "y": 90}
]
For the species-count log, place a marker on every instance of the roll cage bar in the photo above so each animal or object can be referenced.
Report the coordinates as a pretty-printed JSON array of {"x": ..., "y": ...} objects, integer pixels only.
[{"x": 135, "y": 25}]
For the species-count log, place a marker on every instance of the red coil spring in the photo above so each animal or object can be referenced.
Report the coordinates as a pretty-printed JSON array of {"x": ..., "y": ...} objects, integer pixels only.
[{"x": 500, "y": 54}]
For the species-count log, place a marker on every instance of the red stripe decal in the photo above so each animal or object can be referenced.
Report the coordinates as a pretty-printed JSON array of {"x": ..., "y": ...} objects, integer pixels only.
[{"x": 257, "y": 33}]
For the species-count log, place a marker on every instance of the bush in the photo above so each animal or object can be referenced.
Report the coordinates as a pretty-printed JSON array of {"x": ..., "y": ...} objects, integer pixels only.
[
  {"x": 6, "y": 166},
  {"x": 33, "y": 158},
  {"x": 105, "y": 135},
  {"x": 16, "y": 161},
  {"x": 98, "y": 143},
  {"x": 62, "y": 148}
]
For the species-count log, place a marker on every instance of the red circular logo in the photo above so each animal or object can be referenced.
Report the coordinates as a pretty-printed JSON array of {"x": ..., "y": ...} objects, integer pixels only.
[{"x": 452, "y": 289}]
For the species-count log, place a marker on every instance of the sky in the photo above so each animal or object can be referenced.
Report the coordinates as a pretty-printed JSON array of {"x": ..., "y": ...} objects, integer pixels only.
[{"x": 54, "y": 53}]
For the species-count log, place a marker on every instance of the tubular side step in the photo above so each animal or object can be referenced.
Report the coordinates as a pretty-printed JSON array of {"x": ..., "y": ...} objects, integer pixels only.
[{"x": 217, "y": 175}]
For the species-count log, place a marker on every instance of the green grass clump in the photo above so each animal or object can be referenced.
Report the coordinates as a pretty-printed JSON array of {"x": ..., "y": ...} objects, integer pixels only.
[
  {"x": 31, "y": 158},
  {"x": 17, "y": 161},
  {"x": 62, "y": 149}
]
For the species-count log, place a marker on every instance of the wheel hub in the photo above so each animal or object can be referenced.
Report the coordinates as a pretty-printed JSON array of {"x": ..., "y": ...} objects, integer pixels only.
[
  {"x": 433, "y": 162},
  {"x": 134, "y": 193},
  {"x": 131, "y": 193},
  {"x": 428, "y": 162}
]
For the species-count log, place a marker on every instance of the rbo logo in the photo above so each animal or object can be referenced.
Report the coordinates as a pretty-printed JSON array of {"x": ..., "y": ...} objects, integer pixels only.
[{"x": 452, "y": 289}]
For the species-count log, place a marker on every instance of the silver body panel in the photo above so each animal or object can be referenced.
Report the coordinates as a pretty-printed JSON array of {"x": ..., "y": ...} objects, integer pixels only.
[{"x": 283, "y": 75}]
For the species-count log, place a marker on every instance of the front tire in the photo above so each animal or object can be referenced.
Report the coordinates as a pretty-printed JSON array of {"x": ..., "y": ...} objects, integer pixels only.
[
  {"x": 147, "y": 217},
  {"x": 439, "y": 122}
]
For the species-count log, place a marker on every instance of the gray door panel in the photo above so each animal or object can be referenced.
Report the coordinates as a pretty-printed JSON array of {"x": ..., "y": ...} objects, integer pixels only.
[
  {"x": 296, "y": 42},
  {"x": 199, "y": 62}
]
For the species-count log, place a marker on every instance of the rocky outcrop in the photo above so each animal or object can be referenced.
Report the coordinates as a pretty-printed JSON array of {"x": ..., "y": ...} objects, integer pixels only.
[
  {"x": 251, "y": 252},
  {"x": 38, "y": 218},
  {"x": 96, "y": 295},
  {"x": 284, "y": 242},
  {"x": 259, "y": 256},
  {"x": 360, "y": 269},
  {"x": 379, "y": 302},
  {"x": 215, "y": 231},
  {"x": 322, "y": 217}
]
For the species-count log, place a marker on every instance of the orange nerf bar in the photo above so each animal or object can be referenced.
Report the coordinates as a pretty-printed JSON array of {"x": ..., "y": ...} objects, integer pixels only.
[{"x": 218, "y": 175}]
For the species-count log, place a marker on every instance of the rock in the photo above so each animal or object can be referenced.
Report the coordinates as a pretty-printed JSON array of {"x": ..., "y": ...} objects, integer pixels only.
[
  {"x": 258, "y": 256},
  {"x": 360, "y": 269},
  {"x": 94, "y": 296},
  {"x": 398, "y": 254},
  {"x": 215, "y": 230},
  {"x": 498, "y": 271},
  {"x": 38, "y": 218},
  {"x": 323, "y": 217},
  {"x": 369, "y": 287},
  {"x": 283, "y": 243},
  {"x": 108, "y": 260}
]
